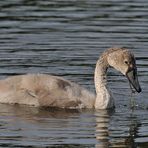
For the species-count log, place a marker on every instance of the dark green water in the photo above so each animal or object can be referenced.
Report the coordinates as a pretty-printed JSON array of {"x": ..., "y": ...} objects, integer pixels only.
[{"x": 65, "y": 38}]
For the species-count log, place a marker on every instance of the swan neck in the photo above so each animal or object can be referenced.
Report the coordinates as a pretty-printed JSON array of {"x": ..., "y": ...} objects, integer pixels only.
[
  {"x": 100, "y": 74},
  {"x": 104, "y": 97}
]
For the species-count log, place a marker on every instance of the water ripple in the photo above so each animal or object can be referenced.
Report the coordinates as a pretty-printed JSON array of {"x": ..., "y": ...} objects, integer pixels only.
[{"x": 66, "y": 37}]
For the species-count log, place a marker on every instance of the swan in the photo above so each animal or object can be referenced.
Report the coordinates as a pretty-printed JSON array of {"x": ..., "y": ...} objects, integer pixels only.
[{"x": 53, "y": 91}]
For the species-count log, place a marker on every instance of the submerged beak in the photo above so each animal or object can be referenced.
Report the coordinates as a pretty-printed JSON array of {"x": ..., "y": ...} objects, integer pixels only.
[{"x": 133, "y": 79}]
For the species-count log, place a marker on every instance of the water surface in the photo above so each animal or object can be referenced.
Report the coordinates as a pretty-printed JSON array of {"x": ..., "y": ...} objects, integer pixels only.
[{"x": 65, "y": 38}]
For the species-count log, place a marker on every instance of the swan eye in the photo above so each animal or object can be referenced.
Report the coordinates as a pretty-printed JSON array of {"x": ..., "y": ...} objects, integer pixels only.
[{"x": 126, "y": 62}]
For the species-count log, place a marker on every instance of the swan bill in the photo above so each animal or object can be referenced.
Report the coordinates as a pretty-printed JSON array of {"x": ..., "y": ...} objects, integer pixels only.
[{"x": 133, "y": 79}]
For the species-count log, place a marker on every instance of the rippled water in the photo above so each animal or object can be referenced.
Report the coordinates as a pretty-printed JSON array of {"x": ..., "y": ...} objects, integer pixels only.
[{"x": 65, "y": 37}]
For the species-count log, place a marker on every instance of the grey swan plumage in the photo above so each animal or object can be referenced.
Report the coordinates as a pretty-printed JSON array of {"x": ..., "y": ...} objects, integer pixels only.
[{"x": 54, "y": 91}]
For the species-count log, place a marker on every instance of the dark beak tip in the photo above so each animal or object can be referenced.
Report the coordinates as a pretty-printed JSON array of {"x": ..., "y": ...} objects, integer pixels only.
[
  {"x": 139, "y": 90},
  {"x": 132, "y": 77}
]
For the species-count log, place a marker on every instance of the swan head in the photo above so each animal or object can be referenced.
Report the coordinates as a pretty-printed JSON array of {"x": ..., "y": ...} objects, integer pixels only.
[{"x": 124, "y": 61}]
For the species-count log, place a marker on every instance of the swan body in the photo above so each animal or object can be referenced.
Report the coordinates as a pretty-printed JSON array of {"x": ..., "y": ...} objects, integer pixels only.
[
  {"x": 44, "y": 90},
  {"x": 54, "y": 91}
]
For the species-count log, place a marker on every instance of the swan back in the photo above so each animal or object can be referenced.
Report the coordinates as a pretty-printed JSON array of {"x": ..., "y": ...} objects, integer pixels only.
[{"x": 45, "y": 90}]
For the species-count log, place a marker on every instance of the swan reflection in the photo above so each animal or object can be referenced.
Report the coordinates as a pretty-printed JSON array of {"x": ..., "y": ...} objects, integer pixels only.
[
  {"x": 101, "y": 128},
  {"x": 115, "y": 130}
]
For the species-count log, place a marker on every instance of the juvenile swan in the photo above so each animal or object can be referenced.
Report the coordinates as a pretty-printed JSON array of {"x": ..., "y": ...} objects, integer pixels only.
[{"x": 48, "y": 90}]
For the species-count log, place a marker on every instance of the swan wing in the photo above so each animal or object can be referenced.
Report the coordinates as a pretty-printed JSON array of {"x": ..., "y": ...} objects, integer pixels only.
[{"x": 40, "y": 90}]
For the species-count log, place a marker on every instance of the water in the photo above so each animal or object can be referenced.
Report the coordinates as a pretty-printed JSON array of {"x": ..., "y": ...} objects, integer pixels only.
[{"x": 65, "y": 38}]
